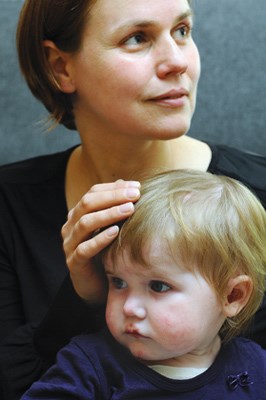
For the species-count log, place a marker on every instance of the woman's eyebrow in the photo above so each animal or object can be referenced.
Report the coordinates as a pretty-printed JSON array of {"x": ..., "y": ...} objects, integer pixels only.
[{"x": 138, "y": 23}]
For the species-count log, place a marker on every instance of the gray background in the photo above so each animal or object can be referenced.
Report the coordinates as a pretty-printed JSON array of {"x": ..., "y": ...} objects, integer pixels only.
[{"x": 231, "y": 107}]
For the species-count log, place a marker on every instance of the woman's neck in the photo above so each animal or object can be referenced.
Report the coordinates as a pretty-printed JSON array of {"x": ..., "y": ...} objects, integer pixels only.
[
  {"x": 97, "y": 162},
  {"x": 127, "y": 161},
  {"x": 90, "y": 165}
]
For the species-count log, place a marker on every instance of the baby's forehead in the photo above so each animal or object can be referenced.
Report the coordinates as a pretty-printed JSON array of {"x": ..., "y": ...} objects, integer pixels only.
[{"x": 155, "y": 254}]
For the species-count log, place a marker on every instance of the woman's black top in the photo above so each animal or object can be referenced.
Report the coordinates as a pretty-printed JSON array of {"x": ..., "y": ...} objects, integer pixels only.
[{"x": 39, "y": 310}]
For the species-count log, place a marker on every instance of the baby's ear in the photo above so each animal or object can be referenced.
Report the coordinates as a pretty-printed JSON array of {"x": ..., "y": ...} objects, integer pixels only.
[{"x": 239, "y": 290}]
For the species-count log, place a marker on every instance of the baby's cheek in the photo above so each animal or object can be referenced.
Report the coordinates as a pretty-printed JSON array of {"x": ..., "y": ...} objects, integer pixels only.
[
  {"x": 173, "y": 330},
  {"x": 110, "y": 318},
  {"x": 166, "y": 324}
]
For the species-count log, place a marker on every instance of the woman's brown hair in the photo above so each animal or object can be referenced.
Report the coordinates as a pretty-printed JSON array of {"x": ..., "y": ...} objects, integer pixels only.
[{"x": 63, "y": 22}]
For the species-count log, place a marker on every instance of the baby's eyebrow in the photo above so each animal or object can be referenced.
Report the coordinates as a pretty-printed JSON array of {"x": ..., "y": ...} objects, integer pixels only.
[{"x": 108, "y": 270}]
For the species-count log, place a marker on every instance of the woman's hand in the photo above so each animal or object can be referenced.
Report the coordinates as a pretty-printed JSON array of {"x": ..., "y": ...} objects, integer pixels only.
[{"x": 102, "y": 206}]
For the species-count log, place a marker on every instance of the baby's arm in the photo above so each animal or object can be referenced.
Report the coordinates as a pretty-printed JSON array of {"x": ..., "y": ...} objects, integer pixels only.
[{"x": 72, "y": 377}]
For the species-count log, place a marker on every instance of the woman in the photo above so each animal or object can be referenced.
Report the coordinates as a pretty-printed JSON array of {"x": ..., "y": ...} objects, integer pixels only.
[{"x": 125, "y": 75}]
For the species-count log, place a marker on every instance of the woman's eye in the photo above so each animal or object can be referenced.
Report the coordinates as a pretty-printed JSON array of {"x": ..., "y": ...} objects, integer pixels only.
[
  {"x": 118, "y": 283},
  {"x": 135, "y": 40},
  {"x": 182, "y": 32},
  {"x": 159, "y": 287}
]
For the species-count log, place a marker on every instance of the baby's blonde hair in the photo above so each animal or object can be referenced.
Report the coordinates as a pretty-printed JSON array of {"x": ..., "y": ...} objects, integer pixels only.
[{"x": 211, "y": 223}]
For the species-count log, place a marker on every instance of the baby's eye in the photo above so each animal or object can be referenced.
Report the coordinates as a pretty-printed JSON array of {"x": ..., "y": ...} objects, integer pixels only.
[
  {"x": 135, "y": 39},
  {"x": 159, "y": 286},
  {"x": 118, "y": 283}
]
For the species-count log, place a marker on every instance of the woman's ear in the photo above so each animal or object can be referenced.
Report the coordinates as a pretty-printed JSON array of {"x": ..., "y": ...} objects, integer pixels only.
[
  {"x": 239, "y": 290},
  {"x": 61, "y": 69}
]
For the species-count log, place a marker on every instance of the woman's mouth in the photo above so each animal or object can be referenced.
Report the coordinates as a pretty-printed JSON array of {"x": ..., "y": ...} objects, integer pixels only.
[{"x": 174, "y": 98}]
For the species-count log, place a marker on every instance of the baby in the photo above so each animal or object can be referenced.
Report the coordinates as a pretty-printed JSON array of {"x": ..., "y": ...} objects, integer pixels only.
[{"x": 186, "y": 274}]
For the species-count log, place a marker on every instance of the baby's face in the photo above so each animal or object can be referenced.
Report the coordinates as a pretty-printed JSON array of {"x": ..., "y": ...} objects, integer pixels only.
[{"x": 163, "y": 312}]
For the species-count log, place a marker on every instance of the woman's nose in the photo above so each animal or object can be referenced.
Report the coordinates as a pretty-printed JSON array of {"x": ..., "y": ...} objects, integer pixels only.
[
  {"x": 172, "y": 59},
  {"x": 134, "y": 307}
]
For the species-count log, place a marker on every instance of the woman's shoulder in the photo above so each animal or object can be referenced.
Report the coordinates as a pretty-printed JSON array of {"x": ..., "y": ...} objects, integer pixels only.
[
  {"x": 247, "y": 167},
  {"x": 36, "y": 169},
  {"x": 240, "y": 163}
]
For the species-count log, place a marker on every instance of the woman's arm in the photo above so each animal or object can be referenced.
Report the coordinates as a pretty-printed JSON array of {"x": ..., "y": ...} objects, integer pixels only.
[{"x": 28, "y": 349}]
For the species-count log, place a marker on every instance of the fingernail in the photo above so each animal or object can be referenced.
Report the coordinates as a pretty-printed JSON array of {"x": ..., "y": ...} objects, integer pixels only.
[
  {"x": 125, "y": 208},
  {"x": 132, "y": 193},
  {"x": 112, "y": 231},
  {"x": 134, "y": 184}
]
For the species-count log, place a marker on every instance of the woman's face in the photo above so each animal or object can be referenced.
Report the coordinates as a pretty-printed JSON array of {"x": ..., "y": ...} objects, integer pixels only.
[{"x": 137, "y": 70}]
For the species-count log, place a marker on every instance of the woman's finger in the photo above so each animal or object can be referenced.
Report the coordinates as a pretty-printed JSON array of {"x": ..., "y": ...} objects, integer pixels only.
[
  {"x": 85, "y": 276},
  {"x": 101, "y": 199},
  {"x": 89, "y": 223},
  {"x": 88, "y": 249}
]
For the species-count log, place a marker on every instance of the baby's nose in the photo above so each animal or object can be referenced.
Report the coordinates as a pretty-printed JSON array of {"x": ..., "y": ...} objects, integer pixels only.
[{"x": 134, "y": 307}]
